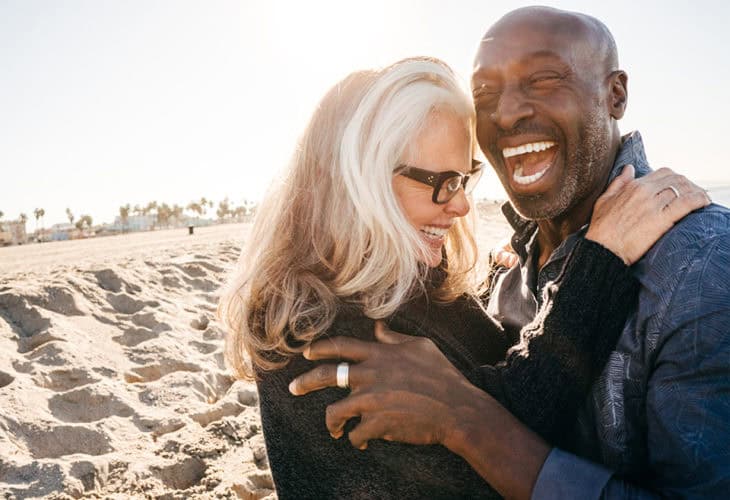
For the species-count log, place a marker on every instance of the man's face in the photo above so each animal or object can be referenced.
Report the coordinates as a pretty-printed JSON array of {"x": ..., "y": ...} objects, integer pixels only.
[{"x": 542, "y": 120}]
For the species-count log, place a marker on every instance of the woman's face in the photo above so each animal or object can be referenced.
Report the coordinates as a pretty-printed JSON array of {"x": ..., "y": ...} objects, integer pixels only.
[{"x": 444, "y": 144}]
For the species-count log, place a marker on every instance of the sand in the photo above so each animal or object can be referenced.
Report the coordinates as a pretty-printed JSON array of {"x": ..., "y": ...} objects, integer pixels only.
[{"x": 112, "y": 378}]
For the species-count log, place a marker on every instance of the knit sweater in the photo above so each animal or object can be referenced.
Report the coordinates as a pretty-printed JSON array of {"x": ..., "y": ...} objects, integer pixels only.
[{"x": 568, "y": 344}]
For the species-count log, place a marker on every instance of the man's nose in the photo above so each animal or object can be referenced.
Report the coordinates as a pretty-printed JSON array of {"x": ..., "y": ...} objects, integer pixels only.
[
  {"x": 512, "y": 107},
  {"x": 458, "y": 206}
]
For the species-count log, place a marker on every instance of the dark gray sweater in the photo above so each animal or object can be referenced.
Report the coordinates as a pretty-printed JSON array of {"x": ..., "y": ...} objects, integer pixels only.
[{"x": 568, "y": 345}]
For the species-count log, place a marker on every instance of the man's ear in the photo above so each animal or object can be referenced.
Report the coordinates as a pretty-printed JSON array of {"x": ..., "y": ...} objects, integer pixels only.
[{"x": 618, "y": 94}]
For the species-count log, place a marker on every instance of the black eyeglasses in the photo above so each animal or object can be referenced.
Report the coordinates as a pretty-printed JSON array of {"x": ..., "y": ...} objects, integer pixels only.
[{"x": 445, "y": 184}]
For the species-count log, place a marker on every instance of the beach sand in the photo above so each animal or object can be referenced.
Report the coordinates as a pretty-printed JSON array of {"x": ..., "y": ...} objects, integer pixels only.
[{"x": 112, "y": 378}]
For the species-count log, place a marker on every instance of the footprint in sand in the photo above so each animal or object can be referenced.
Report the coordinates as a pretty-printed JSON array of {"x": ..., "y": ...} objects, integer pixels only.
[
  {"x": 152, "y": 372},
  {"x": 50, "y": 355},
  {"x": 181, "y": 475},
  {"x": 148, "y": 320},
  {"x": 222, "y": 409},
  {"x": 64, "y": 379},
  {"x": 30, "y": 344},
  {"x": 202, "y": 284},
  {"x": 192, "y": 269},
  {"x": 134, "y": 336},
  {"x": 109, "y": 280},
  {"x": 5, "y": 379},
  {"x": 171, "y": 282},
  {"x": 61, "y": 440},
  {"x": 32, "y": 480},
  {"x": 125, "y": 304},
  {"x": 57, "y": 299},
  {"x": 88, "y": 404},
  {"x": 27, "y": 320},
  {"x": 204, "y": 347}
]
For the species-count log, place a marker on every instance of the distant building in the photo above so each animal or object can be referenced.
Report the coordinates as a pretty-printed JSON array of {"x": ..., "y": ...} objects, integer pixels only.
[
  {"x": 12, "y": 233},
  {"x": 63, "y": 231},
  {"x": 134, "y": 223}
]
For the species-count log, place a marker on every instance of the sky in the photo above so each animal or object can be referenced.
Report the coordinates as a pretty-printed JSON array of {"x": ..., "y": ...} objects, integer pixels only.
[{"x": 104, "y": 103}]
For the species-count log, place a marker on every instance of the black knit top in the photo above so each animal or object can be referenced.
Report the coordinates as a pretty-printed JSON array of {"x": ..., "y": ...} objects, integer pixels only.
[{"x": 568, "y": 345}]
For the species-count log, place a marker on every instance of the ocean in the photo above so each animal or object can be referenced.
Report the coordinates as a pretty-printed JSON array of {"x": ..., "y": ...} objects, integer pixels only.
[{"x": 720, "y": 195}]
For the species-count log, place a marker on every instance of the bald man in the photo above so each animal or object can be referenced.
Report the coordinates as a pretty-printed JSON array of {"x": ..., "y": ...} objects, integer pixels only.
[{"x": 548, "y": 93}]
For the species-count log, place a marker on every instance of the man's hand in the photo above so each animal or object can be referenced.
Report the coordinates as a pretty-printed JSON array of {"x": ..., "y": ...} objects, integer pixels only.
[{"x": 403, "y": 388}]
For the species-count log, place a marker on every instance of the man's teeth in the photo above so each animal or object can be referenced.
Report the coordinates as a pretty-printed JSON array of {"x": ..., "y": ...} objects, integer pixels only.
[
  {"x": 527, "y": 179},
  {"x": 532, "y": 147},
  {"x": 435, "y": 232}
]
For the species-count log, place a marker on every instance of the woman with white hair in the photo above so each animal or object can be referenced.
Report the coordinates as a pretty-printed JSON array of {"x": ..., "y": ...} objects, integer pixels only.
[{"x": 370, "y": 223}]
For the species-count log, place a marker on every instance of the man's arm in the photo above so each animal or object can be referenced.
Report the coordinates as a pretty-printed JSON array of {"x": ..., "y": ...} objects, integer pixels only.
[{"x": 688, "y": 392}]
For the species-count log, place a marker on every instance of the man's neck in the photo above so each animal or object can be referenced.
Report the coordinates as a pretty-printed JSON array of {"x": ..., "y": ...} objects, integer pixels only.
[{"x": 552, "y": 232}]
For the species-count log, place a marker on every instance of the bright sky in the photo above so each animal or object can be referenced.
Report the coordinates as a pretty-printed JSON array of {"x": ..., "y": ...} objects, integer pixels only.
[{"x": 104, "y": 103}]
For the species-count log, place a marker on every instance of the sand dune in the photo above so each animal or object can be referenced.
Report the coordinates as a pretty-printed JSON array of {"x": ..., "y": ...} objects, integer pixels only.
[{"x": 112, "y": 379}]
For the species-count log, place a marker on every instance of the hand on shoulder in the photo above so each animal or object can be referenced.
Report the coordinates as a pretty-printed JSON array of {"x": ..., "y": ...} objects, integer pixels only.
[{"x": 634, "y": 213}]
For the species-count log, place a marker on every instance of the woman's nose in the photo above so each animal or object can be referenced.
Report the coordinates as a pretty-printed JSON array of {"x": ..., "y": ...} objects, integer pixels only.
[{"x": 459, "y": 204}]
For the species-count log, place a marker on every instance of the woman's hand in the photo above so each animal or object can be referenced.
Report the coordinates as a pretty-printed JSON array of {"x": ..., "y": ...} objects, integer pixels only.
[
  {"x": 634, "y": 213},
  {"x": 504, "y": 255}
]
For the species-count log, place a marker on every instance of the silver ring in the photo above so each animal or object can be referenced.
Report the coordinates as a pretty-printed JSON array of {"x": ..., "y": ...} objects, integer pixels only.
[
  {"x": 343, "y": 375},
  {"x": 675, "y": 191}
]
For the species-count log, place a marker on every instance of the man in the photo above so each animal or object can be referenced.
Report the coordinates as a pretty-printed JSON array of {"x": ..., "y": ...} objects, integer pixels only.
[{"x": 548, "y": 94}]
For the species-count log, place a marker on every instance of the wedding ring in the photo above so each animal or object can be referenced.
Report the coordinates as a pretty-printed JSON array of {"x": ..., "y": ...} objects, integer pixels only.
[
  {"x": 675, "y": 191},
  {"x": 343, "y": 375}
]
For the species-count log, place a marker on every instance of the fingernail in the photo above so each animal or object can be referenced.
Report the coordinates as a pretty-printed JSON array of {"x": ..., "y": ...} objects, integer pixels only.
[
  {"x": 363, "y": 446},
  {"x": 293, "y": 387},
  {"x": 336, "y": 435},
  {"x": 306, "y": 352}
]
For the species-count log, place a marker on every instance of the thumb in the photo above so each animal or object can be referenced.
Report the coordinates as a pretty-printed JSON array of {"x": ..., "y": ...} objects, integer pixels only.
[
  {"x": 388, "y": 336},
  {"x": 627, "y": 175}
]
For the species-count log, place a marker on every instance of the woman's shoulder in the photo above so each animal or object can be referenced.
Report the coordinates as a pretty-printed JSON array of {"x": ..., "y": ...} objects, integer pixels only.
[
  {"x": 349, "y": 322},
  {"x": 462, "y": 329}
]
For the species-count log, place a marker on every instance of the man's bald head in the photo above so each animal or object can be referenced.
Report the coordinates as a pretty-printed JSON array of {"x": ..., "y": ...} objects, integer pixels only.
[{"x": 591, "y": 39}]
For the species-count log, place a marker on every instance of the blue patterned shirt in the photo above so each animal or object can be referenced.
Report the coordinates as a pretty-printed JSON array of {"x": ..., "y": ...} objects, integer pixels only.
[{"x": 658, "y": 418}]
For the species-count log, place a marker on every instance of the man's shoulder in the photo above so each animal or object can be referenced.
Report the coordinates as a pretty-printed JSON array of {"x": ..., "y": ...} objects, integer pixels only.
[
  {"x": 690, "y": 239},
  {"x": 688, "y": 266}
]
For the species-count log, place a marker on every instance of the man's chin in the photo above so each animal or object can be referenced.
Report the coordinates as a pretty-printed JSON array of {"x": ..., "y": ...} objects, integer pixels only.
[{"x": 540, "y": 206}]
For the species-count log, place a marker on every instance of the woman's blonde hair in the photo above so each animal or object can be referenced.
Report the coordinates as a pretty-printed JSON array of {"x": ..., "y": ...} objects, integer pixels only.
[{"x": 332, "y": 232}]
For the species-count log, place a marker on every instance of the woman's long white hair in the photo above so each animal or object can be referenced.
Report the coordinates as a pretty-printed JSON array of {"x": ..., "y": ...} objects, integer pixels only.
[{"x": 332, "y": 231}]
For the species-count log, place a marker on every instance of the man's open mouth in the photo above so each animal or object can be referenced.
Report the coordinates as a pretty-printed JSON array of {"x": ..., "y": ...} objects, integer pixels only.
[{"x": 530, "y": 161}]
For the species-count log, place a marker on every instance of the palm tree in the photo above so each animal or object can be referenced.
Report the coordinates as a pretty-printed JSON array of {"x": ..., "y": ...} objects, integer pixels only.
[
  {"x": 84, "y": 220},
  {"x": 39, "y": 213},
  {"x": 177, "y": 213},
  {"x": 1, "y": 214},
  {"x": 224, "y": 208},
  {"x": 163, "y": 214},
  {"x": 124, "y": 215},
  {"x": 195, "y": 207},
  {"x": 239, "y": 213},
  {"x": 70, "y": 216},
  {"x": 23, "y": 218},
  {"x": 149, "y": 208}
]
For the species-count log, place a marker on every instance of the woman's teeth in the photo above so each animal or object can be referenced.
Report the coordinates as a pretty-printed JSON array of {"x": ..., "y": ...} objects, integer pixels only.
[
  {"x": 434, "y": 232},
  {"x": 533, "y": 147}
]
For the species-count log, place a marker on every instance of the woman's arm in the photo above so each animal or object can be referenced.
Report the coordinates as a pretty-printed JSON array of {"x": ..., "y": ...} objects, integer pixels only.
[
  {"x": 307, "y": 463},
  {"x": 546, "y": 377}
]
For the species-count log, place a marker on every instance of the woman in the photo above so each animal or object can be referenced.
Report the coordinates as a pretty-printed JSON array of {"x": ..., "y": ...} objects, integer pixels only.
[{"x": 369, "y": 223}]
